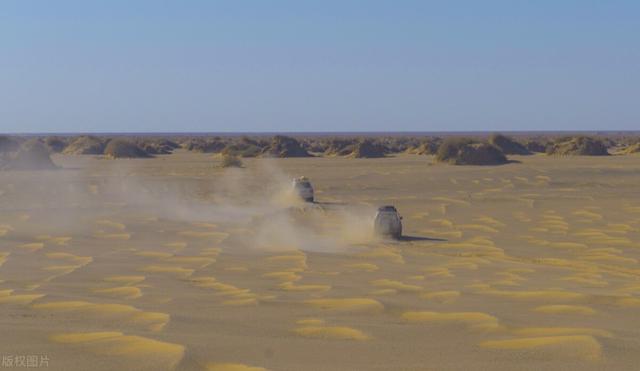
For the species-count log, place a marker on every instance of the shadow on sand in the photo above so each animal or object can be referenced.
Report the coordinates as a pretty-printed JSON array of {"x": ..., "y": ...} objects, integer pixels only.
[
  {"x": 328, "y": 203},
  {"x": 418, "y": 238}
]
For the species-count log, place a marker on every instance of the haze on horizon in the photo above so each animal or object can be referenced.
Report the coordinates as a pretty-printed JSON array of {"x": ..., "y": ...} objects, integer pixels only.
[{"x": 289, "y": 66}]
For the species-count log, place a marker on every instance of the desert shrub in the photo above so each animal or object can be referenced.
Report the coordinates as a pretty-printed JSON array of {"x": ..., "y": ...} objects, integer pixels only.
[
  {"x": 121, "y": 148},
  {"x": 464, "y": 151},
  {"x": 231, "y": 160},
  {"x": 578, "y": 146},
  {"x": 507, "y": 145}
]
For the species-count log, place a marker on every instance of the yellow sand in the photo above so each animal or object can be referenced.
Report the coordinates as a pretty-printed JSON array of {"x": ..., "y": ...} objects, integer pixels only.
[
  {"x": 449, "y": 296},
  {"x": 232, "y": 367},
  {"x": 396, "y": 285},
  {"x": 125, "y": 280},
  {"x": 331, "y": 332},
  {"x": 530, "y": 265},
  {"x": 169, "y": 269},
  {"x": 474, "y": 320},
  {"x": 367, "y": 267},
  {"x": 125, "y": 292},
  {"x": 115, "y": 344},
  {"x": 348, "y": 304},
  {"x": 579, "y": 346},
  {"x": 152, "y": 320},
  {"x": 565, "y": 309},
  {"x": 548, "y": 331}
]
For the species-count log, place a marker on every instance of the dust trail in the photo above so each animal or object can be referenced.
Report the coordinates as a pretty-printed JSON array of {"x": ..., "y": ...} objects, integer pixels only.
[{"x": 259, "y": 199}]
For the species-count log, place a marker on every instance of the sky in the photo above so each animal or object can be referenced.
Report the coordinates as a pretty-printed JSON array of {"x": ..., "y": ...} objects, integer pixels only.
[{"x": 302, "y": 65}]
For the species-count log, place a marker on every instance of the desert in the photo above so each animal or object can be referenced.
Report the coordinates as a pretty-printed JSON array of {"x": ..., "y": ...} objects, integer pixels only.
[{"x": 192, "y": 253}]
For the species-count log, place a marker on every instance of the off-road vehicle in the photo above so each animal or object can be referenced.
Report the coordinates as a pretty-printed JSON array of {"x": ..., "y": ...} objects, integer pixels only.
[
  {"x": 302, "y": 187},
  {"x": 388, "y": 222}
]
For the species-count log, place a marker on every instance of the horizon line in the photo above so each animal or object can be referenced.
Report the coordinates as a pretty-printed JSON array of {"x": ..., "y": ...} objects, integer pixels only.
[{"x": 294, "y": 133}]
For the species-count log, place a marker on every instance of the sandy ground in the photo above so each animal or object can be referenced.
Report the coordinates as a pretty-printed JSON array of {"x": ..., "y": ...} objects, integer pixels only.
[{"x": 173, "y": 263}]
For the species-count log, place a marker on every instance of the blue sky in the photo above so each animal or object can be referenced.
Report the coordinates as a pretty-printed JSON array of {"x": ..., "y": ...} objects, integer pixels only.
[{"x": 299, "y": 65}]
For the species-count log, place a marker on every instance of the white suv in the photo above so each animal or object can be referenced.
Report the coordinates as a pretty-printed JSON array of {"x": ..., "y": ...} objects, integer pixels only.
[
  {"x": 388, "y": 222},
  {"x": 303, "y": 188}
]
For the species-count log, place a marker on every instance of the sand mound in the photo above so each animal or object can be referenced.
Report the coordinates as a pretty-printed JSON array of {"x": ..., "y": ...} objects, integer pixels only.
[
  {"x": 158, "y": 147},
  {"x": 634, "y": 148},
  {"x": 8, "y": 144},
  {"x": 331, "y": 333},
  {"x": 85, "y": 145},
  {"x": 464, "y": 151},
  {"x": 245, "y": 147},
  {"x": 473, "y": 320},
  {"x": 136, "y": 351},
  {"x": 282, "y": 146},
  {"x": 347, "y": 304},
  {"x": 368, "y": 149},
  {"x": 32, "y": 155},
  {"x": 397, "y": 144},
  {"x": 507, "y": 145},
  {"x": 581, "y": 346},
  {"x": 428, "y": 147},
  {"x": 340, "y": 146},
  {"x": 314, "y": 145},
  {"x": 55, "y": 144},
  {"x": 209, "y": 145},
  {"x": 535, "y": 146},
  {"x": 578, "y": 146},
  {"x": 120, "y": 148},
  {"x": 229, "y": 160}
]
